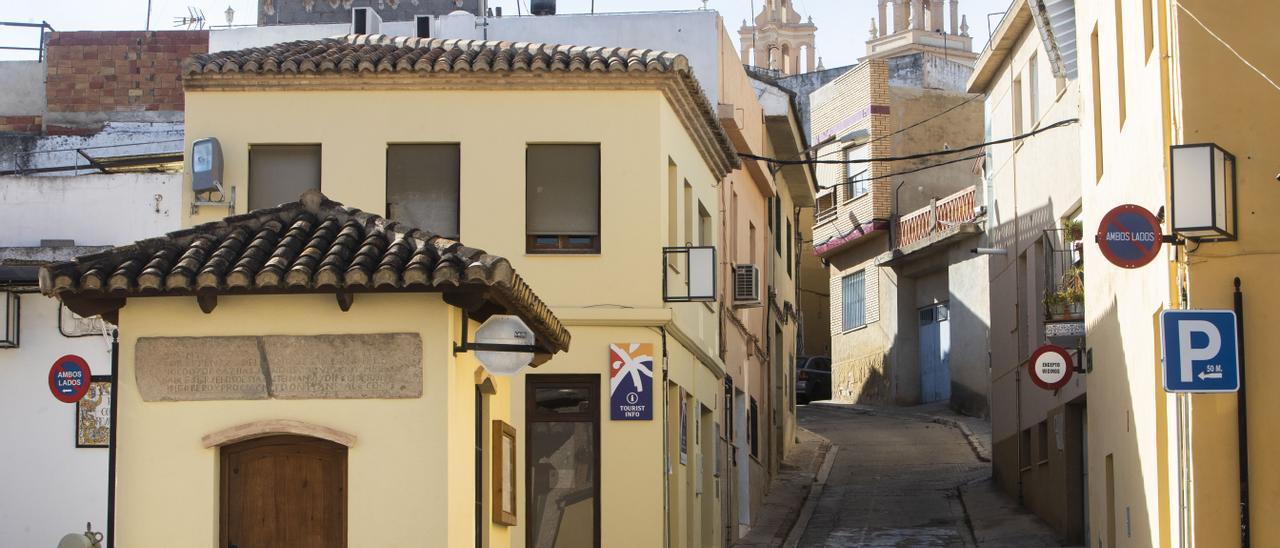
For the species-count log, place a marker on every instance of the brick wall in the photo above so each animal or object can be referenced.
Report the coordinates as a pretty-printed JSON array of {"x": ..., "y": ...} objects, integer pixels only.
[
  {"x": 119, "y": 70},
  {"x": 20, "y": 124}
]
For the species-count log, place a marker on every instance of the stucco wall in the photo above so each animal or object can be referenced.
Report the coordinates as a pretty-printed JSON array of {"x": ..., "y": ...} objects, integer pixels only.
[
  {"x": 24, "y": 88},
  {"x": 969, "y": 296},
  {"x": 51, "y": 487},
  {"x": 90, "y": 209},
  {"x": 398, "y": 454}
]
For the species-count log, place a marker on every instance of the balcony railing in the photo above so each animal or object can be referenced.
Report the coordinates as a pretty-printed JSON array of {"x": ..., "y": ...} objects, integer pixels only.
[
  {"x": 1063, "y": 274},
  {"x": 938, "y": 215}
]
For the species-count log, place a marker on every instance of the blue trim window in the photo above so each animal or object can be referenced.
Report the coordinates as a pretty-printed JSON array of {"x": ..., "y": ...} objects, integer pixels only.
[{"x": 853, "y": 294}]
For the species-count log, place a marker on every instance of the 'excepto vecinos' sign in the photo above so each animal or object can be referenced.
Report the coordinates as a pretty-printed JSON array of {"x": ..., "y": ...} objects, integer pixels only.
[
  {"x": 69, "y": 378},
  {"x": 1050, "y": 367},
  {"x": 1129, "y": 236}
]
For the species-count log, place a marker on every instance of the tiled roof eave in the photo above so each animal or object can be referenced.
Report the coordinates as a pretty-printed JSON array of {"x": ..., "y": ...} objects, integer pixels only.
[
  {"x": 682, "y": 91},
  {"x": 313, "y": 246}
]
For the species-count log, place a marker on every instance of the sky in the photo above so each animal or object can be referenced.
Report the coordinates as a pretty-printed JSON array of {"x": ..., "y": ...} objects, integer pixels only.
[{"x": 842, "y": 24}]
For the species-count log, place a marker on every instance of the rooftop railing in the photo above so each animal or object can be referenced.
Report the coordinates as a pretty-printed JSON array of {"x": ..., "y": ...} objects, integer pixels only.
[
  {"x": 940, "y": 214},
  {"x": 39, "y": 49}
]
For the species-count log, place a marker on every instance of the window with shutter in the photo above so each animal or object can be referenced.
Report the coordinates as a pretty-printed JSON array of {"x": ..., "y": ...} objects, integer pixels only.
[
  {"x": 562, "y": 198},
  {"x": 423, "y": 182},
  {"x": 279, "y": 174}
]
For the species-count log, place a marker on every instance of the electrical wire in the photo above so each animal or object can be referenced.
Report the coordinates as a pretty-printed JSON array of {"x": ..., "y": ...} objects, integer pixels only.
[
  {"x": 1055, "y": 125},
  {"x": 921, "y": 122},
  {"x": 909, "y": 171}
]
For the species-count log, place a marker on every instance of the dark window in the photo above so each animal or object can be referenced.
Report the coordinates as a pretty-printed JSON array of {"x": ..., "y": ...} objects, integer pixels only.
[
  {"x": 562, "y": 198},
  {"x": 423, "y": 183},
  {"x": 777, "y": 226},
  {"x": 562, "y": 460},
  {"x": 753, "y": 429},
  {"x": 790, "y": 248},
  {"x": 279, "y": 174}
]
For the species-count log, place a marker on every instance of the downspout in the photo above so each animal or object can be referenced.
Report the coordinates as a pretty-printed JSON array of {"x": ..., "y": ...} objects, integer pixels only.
[
  {"x": 666, "y": 442},
  {"x": 111, "y": 447},
  {"x": 1242, "y": 413}
]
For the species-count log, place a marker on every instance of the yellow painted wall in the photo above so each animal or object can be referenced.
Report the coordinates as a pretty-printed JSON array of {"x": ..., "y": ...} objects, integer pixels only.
[
  {"x": 1188, "y": 88},
  {"x": 168, "y": 482},
  {"x": 1222, "y": 100},
  {"x": 614, "y": 296}
]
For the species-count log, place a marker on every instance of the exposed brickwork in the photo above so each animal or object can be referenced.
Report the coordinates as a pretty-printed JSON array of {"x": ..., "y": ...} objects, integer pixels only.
[
  {"x": 20, "y": 124},
  {"x": 119, "y": 70}
]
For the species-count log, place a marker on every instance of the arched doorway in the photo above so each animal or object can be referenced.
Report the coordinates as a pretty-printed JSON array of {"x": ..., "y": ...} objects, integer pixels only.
[{"x": 284, "y": 491}]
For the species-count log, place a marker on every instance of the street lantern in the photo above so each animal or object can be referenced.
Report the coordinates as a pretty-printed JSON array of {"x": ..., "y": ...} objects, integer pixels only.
[
  {"x": 231, "y": 15},
  {"x": 503, "y": 344},
  {"x": 1203, "y": 177},
  {"x": 9, "y": 319}
]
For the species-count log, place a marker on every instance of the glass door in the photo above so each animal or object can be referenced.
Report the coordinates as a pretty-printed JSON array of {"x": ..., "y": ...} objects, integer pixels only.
[{"x": 563, "y": 461}]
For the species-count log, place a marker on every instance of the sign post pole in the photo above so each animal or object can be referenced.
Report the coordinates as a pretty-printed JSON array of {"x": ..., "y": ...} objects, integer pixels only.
[{"x": 1242, "y": 419}]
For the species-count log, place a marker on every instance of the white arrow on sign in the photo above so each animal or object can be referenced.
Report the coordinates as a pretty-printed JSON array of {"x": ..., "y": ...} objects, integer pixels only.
[{"x": 1204, "y": 375}]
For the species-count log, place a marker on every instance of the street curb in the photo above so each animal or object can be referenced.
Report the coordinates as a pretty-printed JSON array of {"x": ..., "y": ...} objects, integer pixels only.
[
  {"x": 981, "y": 451},
  {"x": 811, "y": 500}
]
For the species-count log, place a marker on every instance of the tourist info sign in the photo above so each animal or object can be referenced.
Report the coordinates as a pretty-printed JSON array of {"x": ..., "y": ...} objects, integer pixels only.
[
  {"x": 1200, "y": 351},
  {"x": 631, "y": 381}
]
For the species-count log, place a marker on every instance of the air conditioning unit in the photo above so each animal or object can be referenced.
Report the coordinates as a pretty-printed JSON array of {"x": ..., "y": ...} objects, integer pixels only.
[
  {"x": 746, "y": 285},
  {"x": 365, "y": 21}
]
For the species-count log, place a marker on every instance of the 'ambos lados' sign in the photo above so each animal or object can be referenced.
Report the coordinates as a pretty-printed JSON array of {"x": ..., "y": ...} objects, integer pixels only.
[
  {"x": 69, "y": 378},
  {"x": 1129, "y": 236}
]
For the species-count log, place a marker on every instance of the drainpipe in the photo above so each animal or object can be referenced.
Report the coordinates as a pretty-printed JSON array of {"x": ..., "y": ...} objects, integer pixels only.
[
  {"x": 1242, "y": 420},
  {"x": 666, "y": 443},
  {"x": 111, "y": 450}
]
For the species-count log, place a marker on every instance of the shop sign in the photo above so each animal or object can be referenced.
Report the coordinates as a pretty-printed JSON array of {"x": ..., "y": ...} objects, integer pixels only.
[
  {"x": 1129, "y": 236},
  {"x": 69, "y": 378},
  {"x": 631, "y": 381},
  {"x": 1050, "y": 367}
]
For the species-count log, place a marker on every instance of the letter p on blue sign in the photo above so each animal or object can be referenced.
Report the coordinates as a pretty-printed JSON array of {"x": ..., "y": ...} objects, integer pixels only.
[{"x": 1201, "y": 353}]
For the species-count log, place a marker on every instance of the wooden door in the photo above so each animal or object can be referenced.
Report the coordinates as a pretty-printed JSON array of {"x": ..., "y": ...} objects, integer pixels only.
[{"x": 284, "y": 492}]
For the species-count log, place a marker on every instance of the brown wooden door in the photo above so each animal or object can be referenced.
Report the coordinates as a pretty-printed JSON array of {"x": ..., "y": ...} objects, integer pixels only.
[{"x": 284, "y": 492}]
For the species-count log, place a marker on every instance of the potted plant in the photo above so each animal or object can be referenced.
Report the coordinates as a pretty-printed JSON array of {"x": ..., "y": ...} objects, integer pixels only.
[
  {"x": 1071, "y": 289},
  {"x": 1072, "y": 230}
]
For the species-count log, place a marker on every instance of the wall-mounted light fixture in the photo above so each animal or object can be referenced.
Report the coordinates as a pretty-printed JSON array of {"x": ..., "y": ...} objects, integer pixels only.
[
  {"x": 9, "y": 318},
  {"x": 1203, "y": 179},
  {"x": 503, "y": 344}
]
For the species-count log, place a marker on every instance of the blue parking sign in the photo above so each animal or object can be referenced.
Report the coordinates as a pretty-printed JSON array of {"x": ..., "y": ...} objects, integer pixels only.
[{"x": 1201, "y": 353}]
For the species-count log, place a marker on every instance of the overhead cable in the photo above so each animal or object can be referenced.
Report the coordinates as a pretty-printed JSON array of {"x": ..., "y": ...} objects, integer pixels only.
[
  {"x": 978, "y": 146},
  {"x": 921, "y": 122}
]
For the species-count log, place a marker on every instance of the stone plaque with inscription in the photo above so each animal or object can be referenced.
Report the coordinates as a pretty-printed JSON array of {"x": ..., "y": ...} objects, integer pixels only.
[
  {"x": 386, "y": 365},
  {"x": 199, "y": 368},
  {"x": 344, "y": 366}
]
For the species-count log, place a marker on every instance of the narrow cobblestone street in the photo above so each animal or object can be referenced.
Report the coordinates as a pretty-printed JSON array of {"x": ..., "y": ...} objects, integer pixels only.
[{"x": 893, "y": 481}]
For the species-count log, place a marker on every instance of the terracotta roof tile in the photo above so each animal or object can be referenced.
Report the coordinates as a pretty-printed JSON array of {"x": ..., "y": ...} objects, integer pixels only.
[
  {"x": 359, "y": 54},
  {"x": 313, "y": 245}
]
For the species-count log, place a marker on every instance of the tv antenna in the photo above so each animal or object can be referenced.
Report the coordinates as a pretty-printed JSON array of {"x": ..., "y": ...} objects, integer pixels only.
[{"x": 194, "y": 19}]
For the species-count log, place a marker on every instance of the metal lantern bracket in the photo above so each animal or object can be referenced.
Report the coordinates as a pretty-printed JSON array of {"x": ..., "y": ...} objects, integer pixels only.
[
  {"x": 466, "y": 345},
  {"x": 229, "y": 204},
  {"x": 668, "y": 252}
]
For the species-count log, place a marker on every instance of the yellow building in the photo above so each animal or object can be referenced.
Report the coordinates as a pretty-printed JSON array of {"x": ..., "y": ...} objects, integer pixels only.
[
  {"x": 1164, "y": 470},
  {"x": 240, "y": 374},
  {"x": 554, "y": 156}
]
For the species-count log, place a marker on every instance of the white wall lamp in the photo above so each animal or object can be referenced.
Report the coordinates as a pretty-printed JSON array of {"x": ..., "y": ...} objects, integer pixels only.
[
  {"x": 1203, "y": 201},
  {"x": 9, "y": 318},
  {"x": 503, "y": 344}
]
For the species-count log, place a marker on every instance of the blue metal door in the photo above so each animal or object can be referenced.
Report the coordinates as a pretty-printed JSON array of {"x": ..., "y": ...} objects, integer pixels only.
[{"x": 935, "y": 350}]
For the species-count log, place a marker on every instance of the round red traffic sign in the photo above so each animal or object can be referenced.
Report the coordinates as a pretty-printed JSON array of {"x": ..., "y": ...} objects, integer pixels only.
[
  {"x": 69, "y": 378},
  {"x": 1050, "y": 367},
  {"x": 1129, "y": 236}
]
